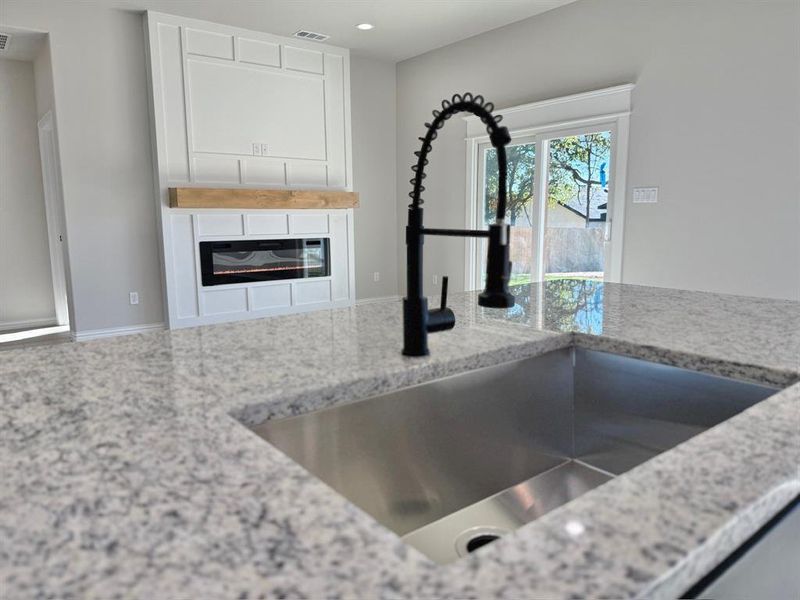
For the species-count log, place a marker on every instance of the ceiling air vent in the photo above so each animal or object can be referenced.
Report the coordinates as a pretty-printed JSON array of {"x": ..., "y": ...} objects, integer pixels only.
[
  {"x": 5, "y": 40},
  {"x": 310, "y": 35}
]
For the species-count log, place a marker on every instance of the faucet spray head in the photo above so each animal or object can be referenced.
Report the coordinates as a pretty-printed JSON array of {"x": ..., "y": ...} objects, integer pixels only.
[{"x": 498, "y": 269}]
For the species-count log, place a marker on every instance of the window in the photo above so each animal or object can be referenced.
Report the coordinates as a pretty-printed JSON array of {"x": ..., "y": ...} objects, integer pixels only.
[
  {"x": 562, "y": 182},
  {"x": 577, "y": 206},
  {"x": 521, "y": 160}
]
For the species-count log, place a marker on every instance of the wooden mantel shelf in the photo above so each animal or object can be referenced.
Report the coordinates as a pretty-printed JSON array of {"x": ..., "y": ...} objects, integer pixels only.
[{"x": 186, "y": 197}]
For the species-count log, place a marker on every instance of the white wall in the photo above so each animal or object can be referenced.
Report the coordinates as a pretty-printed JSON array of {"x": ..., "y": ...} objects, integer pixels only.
[
  {"x": 26, "y": 287},
  {"x": 43, "y": 79},
  {"x": 715, "y": 125},
  {"x": 373, "y": 96},
  {"x": 100, "y": 90}
]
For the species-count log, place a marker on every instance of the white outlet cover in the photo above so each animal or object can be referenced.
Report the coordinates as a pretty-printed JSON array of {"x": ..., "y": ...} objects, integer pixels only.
[
  {"x": 134, "y": 297},
  {"x": 256, "y": 149},
  {"x": 645, "y": 195}
]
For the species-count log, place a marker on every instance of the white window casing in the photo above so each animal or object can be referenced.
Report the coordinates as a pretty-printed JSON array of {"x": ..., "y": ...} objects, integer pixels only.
[{"x": 601, "y": 110}]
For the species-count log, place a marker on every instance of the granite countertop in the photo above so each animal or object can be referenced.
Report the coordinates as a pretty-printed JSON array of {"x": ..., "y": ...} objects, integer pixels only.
[{"x": 126, "y": 471}]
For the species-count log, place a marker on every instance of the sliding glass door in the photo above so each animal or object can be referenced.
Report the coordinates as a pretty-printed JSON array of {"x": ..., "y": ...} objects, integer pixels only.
[
  {"x": 558, "y": 204},
  {"x": 521, "y": 157},
  {"x": 576, "y": 206}
]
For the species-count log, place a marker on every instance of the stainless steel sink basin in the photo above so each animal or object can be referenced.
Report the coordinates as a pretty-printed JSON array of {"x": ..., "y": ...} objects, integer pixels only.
[{"x": 452, "y": 464}]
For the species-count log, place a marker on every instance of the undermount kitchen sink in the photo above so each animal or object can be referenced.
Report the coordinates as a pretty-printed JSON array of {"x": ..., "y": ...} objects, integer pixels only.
[{"x": 452, "y": 464}]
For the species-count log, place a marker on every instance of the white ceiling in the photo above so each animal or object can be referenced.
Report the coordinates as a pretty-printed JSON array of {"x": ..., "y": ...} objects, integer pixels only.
[{"x": 403, "y": 28}]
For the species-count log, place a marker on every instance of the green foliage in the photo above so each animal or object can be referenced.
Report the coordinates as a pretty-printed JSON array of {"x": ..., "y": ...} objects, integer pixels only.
[
  {"x": 575, "y": 162},
  {"x": 521, "y": 161}
]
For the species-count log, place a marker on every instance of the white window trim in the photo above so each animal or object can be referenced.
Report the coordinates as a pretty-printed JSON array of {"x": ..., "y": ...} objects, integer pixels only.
[{"x": 607, "y": 107}]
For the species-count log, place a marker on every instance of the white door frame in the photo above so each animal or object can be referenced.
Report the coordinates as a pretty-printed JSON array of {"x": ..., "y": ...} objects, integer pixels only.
[
  {"x": 612, "y": 252},
  {"x": 53, "y": 201},
  {"x": 607, "y": 109}
]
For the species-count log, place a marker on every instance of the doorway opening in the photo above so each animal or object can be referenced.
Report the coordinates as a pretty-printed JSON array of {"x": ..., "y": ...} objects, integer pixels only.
[
  {"x": 34, "y": 295},
  {"x": 558, "y": 201}
]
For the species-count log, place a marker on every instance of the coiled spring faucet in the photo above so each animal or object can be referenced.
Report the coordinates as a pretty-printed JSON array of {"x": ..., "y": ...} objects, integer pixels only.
[{"x": 418, "y": 321}]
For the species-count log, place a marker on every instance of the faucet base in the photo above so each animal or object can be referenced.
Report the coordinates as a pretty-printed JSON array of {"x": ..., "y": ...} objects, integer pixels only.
[
  {"x": 496, "y": 299},
  {"x": 415, "y": 327},
  {"x": 418, "y": 321}
]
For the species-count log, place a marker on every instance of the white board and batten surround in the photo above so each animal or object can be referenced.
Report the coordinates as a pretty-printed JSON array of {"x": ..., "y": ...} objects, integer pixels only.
[
  {"x": 223, "y": 302},
  {"x": 238, "y": 108}
]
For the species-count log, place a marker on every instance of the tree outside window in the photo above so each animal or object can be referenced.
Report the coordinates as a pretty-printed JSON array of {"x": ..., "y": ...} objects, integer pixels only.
[{"x": 578, "y": 174}]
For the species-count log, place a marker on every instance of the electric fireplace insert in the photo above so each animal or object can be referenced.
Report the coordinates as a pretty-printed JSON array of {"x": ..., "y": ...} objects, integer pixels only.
[{"x": 245, "y": 261}]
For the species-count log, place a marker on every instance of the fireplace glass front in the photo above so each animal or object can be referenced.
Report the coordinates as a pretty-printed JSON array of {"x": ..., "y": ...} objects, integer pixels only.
[{"x": 245, "y": 261}]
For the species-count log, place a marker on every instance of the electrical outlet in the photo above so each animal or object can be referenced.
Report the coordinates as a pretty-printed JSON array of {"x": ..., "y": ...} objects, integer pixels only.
[
  {"x": 264, "y": 150},
  {"x": 256, "y": 149},
  {"x": 435, "y": 280},
  {"x": 134, "y": 296},
  {"x": 376, "y": 276}
]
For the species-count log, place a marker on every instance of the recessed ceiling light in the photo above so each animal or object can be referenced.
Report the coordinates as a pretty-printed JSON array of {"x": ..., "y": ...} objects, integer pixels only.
[{"x": 365, "y": 26}]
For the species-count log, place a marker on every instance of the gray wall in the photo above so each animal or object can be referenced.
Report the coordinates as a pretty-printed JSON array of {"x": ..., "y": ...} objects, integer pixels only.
[
  {"x": 708, "y": 75},
  {"x": 100, "y": 90},
  {"x": 100, "y": 87},
  {"x": 716, "y": 115},
  {"x": 373, "y": 92},
  {"x": 26, "y": 285}
]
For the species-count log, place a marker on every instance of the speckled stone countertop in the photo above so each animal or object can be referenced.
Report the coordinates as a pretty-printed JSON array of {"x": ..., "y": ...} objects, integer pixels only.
[{"x": 127, "y": 474}]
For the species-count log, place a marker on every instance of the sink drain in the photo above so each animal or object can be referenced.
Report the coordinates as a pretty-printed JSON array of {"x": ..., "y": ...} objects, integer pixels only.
[
  {"x": 473, "y": 538},
  {"x": 481, "y": 540}
]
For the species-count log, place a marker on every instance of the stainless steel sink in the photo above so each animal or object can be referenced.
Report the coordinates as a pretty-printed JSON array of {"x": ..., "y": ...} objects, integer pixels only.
[{"x": 452, "y": 464}]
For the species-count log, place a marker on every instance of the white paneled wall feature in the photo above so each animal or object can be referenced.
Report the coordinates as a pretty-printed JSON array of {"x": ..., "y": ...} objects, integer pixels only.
[
  {"x": 209, "y": 43},
  {"x": 238, "y": 108},
  {"x": 342, "y": 255},
  {"x": 337, "y": 123},
  {"x": 225, "y": 224},
  {"x": 224, "y": 301},
  {"x": 233, "y": 93},
  {"x": 175, "y": 160},
  {"x": 262, "y": 171},
  {"x": 302, "y": 59},
  {"x": 217, "y": 169},
  {"x": 312, "y": 292},
  {"x": 302, "y": 223},
  {"x": 266, "y": 224},
  {"x": 265, "y": 297},
  {"x": 234, "y": 106},
  {"x": 198, "y": 304},
  {"x": 184, "y": 267},
  {"x": 256, "y": 52},
  {"x": 307, "y": 174}
]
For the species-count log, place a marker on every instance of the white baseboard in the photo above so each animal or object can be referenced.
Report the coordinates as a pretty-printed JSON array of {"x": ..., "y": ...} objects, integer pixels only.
[
  {"x": 380, "y": 299},
  {"x": 30, "y": 324},
  {"x": 93, "y": 334}
]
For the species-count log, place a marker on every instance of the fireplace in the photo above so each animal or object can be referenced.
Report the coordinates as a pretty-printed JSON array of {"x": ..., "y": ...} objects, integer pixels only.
[{"x": 246, "y": 261}]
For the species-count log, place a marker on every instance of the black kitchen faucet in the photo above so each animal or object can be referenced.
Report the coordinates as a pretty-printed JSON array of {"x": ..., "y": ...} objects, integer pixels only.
[{"x": 417, "y": 319}]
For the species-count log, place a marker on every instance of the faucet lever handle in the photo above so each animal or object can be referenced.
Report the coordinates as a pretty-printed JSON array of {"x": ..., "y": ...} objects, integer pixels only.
[{"x": 444, "y": 292}]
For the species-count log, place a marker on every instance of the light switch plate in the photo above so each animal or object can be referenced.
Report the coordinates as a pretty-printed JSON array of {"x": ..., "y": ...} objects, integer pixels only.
[
  {"x": 264, "y": 150},
  {"x": 645, "y": 195}
]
